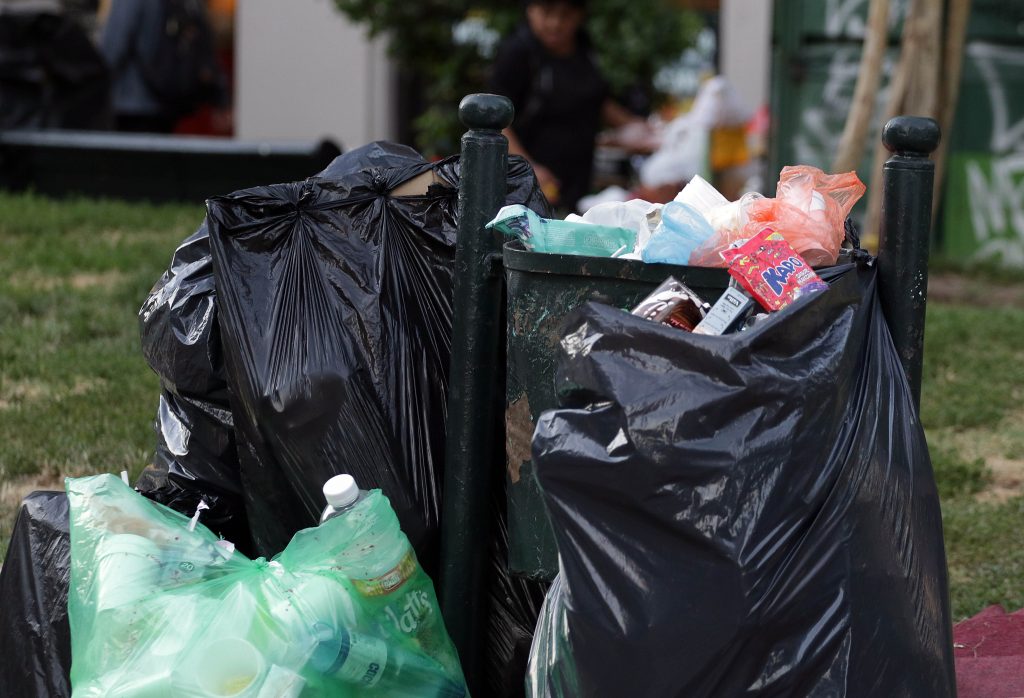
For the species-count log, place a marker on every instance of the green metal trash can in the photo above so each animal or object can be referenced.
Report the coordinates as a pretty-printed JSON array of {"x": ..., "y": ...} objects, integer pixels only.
[{"x": 543, "y": 289}]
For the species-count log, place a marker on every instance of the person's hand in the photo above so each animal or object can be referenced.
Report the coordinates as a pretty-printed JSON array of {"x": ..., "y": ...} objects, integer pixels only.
[{"x": 549, "y": 183}]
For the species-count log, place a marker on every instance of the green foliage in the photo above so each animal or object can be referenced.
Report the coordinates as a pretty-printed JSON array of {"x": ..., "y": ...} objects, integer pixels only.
[{"x": 632, "y": 41}]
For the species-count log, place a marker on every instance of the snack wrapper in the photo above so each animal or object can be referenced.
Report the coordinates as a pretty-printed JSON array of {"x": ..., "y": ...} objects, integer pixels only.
[
  {"x": 673, "y": 304},
  {"x": 771, "y": 270}
]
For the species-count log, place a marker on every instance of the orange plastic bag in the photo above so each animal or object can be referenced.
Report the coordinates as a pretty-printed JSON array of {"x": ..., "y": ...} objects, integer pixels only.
[{"x": 809, "y": 210}]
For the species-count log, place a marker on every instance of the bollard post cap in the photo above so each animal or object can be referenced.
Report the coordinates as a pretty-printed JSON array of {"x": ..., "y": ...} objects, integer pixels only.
[
  {"x": 486, "y": 112},
  {"x": 911, "y": 135}
]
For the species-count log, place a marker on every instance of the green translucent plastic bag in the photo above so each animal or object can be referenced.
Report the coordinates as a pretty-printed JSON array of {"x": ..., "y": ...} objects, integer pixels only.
[{"x": 159, "y": 610}]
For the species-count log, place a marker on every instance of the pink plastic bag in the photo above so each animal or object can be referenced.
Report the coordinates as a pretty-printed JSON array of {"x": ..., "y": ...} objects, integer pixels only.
[{"x": 809, "y": 210}]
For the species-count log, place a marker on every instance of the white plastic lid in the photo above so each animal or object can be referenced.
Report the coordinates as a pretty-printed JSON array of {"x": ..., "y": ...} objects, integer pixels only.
[{"x": 341, "y": 490}]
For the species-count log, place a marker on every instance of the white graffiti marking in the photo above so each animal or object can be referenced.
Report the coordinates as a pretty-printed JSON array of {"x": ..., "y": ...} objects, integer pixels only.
[
  {"x": 988, "y": 58},
  {"x": 821, "y": 125},
  {"x": 848, "y": 17},
  {"x": 997, "y": 202}
]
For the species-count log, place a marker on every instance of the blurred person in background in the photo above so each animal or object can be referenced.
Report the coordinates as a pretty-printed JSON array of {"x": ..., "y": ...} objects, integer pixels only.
[
  {"x": 561, "y": 98},
  {"x": 162, "y": 58}
]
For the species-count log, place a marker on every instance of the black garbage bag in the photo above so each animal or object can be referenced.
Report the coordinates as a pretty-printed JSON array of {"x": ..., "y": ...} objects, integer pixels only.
[
  {"x": 195, "y": 458},
  {"x": 35, "y": 638},
  {"x": 335, "y": 306},
  {"x": 750, "y": 515}
]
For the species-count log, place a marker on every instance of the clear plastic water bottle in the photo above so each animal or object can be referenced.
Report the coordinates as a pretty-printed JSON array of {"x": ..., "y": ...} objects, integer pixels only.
[
  {"x": 342, "y": 494},
  {"x": 382, "y": 567},
  {"x": 378, "y": 669}
]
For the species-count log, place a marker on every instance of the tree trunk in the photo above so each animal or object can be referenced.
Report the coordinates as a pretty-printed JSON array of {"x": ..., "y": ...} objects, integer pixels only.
[
  {"x": 914, "y": 89},
  {"x": 862, "y": 109},
  {"x": 958, "y": 12}
]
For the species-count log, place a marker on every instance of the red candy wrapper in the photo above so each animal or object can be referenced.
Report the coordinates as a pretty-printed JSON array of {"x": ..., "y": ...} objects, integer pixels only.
[{"x": 771, "y": 270}]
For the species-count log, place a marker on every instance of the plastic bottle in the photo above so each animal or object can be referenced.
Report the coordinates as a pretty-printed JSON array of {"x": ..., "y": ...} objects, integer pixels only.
[
  {"x": 381, "y": 560},
  {"x": 342, "y": 494},
  {"x": 383, "y": 569},
  {"x": 380, "y": 563},
  {"x": 377, "y": 668}
]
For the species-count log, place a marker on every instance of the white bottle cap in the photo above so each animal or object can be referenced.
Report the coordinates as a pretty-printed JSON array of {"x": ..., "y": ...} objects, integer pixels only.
[{"x": 341, "y": 490}]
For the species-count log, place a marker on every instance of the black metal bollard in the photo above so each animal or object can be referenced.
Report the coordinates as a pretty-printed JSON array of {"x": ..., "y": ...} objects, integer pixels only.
[
  {"x": 476, "y": 398},
  {"x": 904, "y": 237}
]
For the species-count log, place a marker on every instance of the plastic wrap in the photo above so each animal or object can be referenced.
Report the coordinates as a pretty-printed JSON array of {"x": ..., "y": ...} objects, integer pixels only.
[
  {"x": 809, "y": 210},
  {"x": 334, "y": 299},
  {"x": 159, "y": 608},
  {"x": 752, "y": 514},
  {"x": 196, "y": 457},
  {"x": 35, "y": 639}
]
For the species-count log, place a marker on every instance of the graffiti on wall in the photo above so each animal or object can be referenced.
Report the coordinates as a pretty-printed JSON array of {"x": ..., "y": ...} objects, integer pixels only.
[
  {"x": 995, "y": 179},
  {"x": 822, "y": 120},
  {"x": 849, "y": 17},
  {"x": 824, "y": 115}
]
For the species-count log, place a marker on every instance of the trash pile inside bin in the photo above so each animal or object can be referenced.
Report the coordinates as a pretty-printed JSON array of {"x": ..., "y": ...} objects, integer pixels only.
[
  {"x": 809, "y": 211},
  {"x": 750, "y": 514}
]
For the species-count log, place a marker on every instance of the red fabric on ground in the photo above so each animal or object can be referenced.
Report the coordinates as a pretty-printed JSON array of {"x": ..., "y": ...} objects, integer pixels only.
[{"x": 989, "y": 654}]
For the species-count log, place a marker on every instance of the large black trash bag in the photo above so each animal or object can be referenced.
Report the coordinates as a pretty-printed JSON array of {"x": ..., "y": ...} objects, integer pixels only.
[
  {"x": 335, "y": 302},
  {"x": 35, "y": 638},
  {"x": 195, "y": 458},
  {"x": 750, "y": 515}
]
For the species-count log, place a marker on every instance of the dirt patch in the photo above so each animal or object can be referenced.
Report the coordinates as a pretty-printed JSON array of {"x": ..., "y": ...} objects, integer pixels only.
[
  {"x": 1007, "y": 480},
  {"x": 17, "y": 391},
  {"x": 962, "y": 290},
  {"x": 106, "y": 280},
  {"x": 13, "y": 490},
  {"x": 1002, "y": 451},
  {"x": 83, "y": 386},
  {"x": 34, "y": 280}
]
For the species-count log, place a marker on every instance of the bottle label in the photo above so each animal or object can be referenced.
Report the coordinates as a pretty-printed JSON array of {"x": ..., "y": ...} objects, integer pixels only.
[
  {"x": 390, "y": 580},
  {"x": 365, "y": 661},
  {"x": 413, "y": 611}
]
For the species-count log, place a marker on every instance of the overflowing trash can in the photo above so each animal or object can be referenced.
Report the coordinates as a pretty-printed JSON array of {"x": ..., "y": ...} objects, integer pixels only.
[{"x": 733, "y": 515}]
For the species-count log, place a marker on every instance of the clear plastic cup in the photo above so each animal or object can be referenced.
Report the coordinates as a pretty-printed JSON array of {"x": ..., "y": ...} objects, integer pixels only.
[
  {"x": 229, "y": 668},
  {"x": 128, "y": 569}
]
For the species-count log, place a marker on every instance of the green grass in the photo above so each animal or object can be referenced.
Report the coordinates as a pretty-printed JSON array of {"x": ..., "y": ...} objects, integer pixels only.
[
  {"x": 76, "y": 396},
  {"x": 972, "y": 411}
]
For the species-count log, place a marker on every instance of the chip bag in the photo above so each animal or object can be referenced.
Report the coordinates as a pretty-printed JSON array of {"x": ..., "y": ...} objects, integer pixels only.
[{"x": 771, "y": 270}]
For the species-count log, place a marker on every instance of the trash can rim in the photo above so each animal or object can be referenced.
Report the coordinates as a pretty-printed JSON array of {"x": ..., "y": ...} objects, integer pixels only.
[{"x": 517, "y": 258}]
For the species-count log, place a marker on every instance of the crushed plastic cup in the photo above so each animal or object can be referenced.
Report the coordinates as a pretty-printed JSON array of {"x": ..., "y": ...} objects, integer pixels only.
[
  {"x": 128, "y": 567},
  {"x": 229, "y": 668}
]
